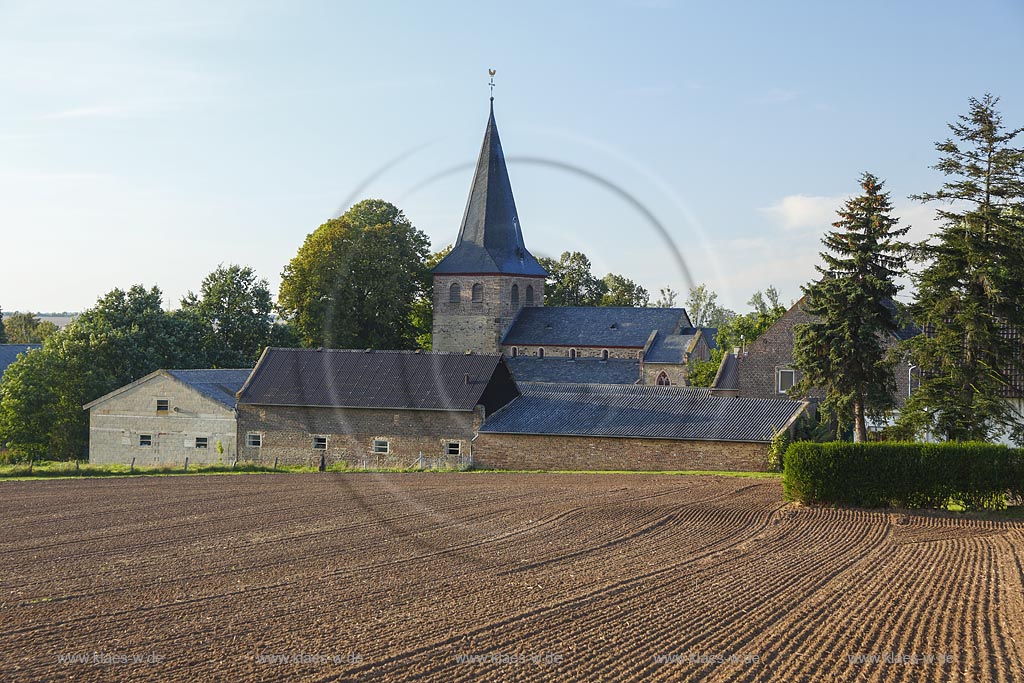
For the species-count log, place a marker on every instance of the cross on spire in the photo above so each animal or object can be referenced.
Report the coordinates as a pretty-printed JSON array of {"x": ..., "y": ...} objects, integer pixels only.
[{"x": 491, "y": 72}]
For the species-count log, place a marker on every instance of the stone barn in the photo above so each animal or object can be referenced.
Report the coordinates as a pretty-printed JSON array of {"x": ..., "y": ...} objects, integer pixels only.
[
  {"x": 166, "y": 417},
  {"x": 369, "y": 408},
  {"x": 622, "y": 427}
]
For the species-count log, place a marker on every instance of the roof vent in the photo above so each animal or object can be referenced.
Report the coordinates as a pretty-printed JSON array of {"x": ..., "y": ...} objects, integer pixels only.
[
  {"x": 547, "y": 327},
  {"x": 367, "y": 350},
  {"x": 614, "y": 326},
  {"x": 416, "y": 351},
  {"x": 319, "y": 349},
  {"x": 467, "y": 378}
]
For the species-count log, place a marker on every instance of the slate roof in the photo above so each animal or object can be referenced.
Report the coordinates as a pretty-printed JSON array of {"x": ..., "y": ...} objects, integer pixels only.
[
  {"x": 642, "y": 411},
  {"x": 220, "y": 385},
  {"x": 9, "y": 353},
  {"x": 727, "y": 378},
  {"x": 668, "y": 348},
  {"x": 340, "y": 378},
  {"x": 581, "y": 370},
  {"x": 600, "y": 326},
  {"x": 490, "y": 238}
]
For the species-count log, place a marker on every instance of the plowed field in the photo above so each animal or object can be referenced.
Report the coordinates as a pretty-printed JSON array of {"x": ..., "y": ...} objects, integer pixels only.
[{"x": 494, "y": 576}]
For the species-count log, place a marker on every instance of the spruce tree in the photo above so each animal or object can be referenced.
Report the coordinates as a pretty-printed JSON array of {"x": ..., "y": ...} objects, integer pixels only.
[
  {"x": 969, "y": 291},
  {"x": 845, "y": 351},
  {"x": 3, "y": 328}
]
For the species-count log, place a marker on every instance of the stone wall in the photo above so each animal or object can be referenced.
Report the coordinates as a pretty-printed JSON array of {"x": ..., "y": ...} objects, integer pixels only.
[
  {"x": 531, "y": 452},
  {"x": 478, "y": 326},
  {"x": 116, "y": 425},
  {"x": 287, "y": 434},
  {"x": 552, "y": 351},
  {"x": 677, "y": 374}
]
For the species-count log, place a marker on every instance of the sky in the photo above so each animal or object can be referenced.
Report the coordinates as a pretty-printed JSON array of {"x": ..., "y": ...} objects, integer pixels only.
[{"x": 149, "y": 142}]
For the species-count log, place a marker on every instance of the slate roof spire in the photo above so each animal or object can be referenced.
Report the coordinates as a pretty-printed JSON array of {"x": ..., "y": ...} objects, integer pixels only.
[{"x": 490, "y": 239}]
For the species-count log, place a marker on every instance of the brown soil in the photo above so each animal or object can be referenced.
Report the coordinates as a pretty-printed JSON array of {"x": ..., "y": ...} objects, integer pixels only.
[{"x": 537, "y": 577}]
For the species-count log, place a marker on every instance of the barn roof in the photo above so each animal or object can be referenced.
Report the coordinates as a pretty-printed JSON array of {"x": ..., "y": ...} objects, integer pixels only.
[
  {"x": 220, "y": 385},
  {"x": 581, "y": 370},
  {"x": 341, "y": 378},
  {"x": 611, "y": 326},
  {"x": 641, "y": 411}
]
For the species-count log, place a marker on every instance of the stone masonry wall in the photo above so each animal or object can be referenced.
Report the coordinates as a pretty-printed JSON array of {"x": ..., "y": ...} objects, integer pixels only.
[
  {"x": 287, "y": 435},
  {"x": 581, "y": 351},
  {"x": 478, "y": 326},
  {"x": 531, "y": 452},
  {"x": 116, "y": 425}
]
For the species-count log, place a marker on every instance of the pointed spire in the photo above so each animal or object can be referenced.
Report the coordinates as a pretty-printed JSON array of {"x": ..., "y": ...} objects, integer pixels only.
[{"x": 490, "y": 239}]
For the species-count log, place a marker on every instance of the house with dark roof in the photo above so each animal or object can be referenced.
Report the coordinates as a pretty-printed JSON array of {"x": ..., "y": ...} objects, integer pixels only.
[
  {"x": 593, "y": 427},
  {"x": 10, "y": 352},
  {"x": 166, "y": 417},
  {"x": 369, "y": 408}
]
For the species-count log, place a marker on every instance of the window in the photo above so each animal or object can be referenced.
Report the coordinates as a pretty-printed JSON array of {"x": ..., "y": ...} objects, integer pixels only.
[
  {"x": 381, "y": 446},
  {"x": 572, "y": 354},
  {"x": 515, "y": 295},
  {"x": 604, "y": 354},
  {"x": 202, "y": 442},
  {"x": 453, "y": 448},
  {"x": 663, "y": 380},
  {"x": 254, "y": 440},
  {"x": 515, "y": 351},
  {"x": 786, "y": 379},
  {"x": 540, "y": 352},
  {"x": 478, "y": 293},
  {"x": 319, "y": 443},
  {"x": 529, "y": 295},
  {"x": 145, "y": 440},
  {"x": 162, "y": 405},
  {"x": 454, "y": 293}
]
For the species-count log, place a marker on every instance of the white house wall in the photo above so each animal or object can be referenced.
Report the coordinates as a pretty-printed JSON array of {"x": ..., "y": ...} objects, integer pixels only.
[{"x": 116, "y": 424}]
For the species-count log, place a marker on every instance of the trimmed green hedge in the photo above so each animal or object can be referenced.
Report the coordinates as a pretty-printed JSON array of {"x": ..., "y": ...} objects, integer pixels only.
[{"x": 976, "y": 476}]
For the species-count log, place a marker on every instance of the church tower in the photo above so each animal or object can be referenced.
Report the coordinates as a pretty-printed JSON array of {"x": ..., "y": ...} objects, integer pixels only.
[{"x": 489, "y": 275}]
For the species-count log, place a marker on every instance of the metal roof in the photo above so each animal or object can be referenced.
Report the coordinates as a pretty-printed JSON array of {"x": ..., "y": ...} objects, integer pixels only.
[
  {"x": 9, "y": 353},
  {"x": 490, "y": 238},
  {"x": 641, "y": 412},
  {"x": 580, "y": 371},
  {"x": 727, "y": 378},
  {"x": 220, "y": 385},
  {"x": 596, "y": 326},
  {"x": 340, "y": 378}
]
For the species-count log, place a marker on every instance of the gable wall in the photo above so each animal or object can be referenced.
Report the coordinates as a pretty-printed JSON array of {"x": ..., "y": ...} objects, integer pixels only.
[{"x": 115, "y": 426}]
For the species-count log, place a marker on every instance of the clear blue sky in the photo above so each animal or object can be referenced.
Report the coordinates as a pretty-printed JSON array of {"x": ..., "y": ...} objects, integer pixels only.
[{"x": 148, "y": 142}]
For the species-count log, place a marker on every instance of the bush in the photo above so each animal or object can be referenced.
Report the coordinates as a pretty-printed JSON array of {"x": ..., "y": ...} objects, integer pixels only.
[{"x": 976, "y": 476}]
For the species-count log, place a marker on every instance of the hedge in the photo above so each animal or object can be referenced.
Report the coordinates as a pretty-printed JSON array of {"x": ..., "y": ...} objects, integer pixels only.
[{"x": 976, "y": 476}]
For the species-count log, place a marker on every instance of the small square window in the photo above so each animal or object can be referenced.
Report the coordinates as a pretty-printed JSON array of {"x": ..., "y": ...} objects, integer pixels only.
[
  {"x": 320, "y": 443},
  {"x": 787, "y": 378},
  {"x": 254, "y": 440},
  {"x": 202, "y": 442},
  {"x": 162, "y": 405},
  {"x": 145, "y": 440},
  {"x": 453, "y": 448},
  {"x": 381, "y": 446}
]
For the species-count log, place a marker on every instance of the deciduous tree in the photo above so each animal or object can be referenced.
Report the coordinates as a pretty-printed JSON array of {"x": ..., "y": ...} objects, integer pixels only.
[{"x": 235, "y": 305}]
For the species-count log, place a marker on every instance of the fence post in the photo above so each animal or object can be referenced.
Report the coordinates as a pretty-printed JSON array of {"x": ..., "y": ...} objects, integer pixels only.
[
  {"x": 132, "y": 469},
  {"x": 234, "y": 463},
  {"x": 275, "y": 464},
  {"x": 186, "y": 463},
  {"x": 76, "y": 465},
  {"x": 421, "y": 460}
]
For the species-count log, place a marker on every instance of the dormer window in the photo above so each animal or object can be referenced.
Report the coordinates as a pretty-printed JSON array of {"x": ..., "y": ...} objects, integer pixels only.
[
  {"x": 478, "y": 293},
  {"x": 454, "y": 293}
]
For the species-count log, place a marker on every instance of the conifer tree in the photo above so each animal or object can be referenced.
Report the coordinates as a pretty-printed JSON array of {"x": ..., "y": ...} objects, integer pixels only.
[
  {"x": 845, "y": 351},
  {"x": 3, "y": 329},
  {"x": 970, "y": 288}
]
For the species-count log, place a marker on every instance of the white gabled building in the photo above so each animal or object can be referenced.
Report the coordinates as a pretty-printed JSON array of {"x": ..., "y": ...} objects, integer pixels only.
[{"x": 167, "y": 416}]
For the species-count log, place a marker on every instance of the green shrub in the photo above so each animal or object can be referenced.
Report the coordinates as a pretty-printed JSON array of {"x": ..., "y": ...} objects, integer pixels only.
[
  {"x": 777, "y": 450},
  {"x": 975, "y": 476}
]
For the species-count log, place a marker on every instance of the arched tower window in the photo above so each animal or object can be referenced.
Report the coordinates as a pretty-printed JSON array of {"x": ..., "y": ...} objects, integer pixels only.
[
  {"x": 662, "y": 380},
  {"x": 478, "y": 293},
  {"x": 572, "y": 354},
  {"x": 604, "y": 354},
  {"x": 515, "y": 295},
  {"x": 454, "y": 293},
  {"x": 540, "y": 352},
  {"x": 529, "y": 295}
]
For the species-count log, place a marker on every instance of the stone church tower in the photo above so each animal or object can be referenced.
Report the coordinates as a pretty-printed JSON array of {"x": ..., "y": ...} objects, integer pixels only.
[{"x": 489, "y": 275}]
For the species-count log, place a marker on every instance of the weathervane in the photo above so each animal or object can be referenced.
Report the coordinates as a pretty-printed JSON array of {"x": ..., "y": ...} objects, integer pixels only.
[{"x": 492, "y": 72}]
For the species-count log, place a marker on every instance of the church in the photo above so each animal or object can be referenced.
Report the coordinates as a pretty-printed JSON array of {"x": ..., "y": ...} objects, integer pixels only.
[{"x": 489, "y": 299}]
